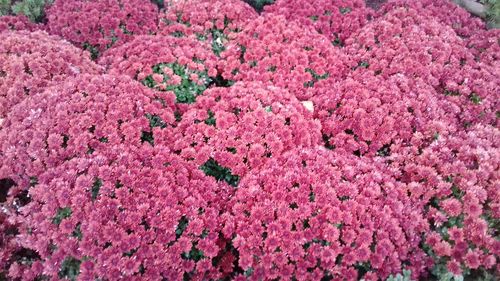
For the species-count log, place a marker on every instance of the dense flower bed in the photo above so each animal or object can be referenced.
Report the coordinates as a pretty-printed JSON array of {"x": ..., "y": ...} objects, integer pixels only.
[
  {"x": 182, "y": 66},
  {"x": 208, "y": 20},
  {"x": 273, "y": 50},
  {"x": 17, "y": 23},
  {"x": 240, "y": 128},
  {"x": 317, "y": 140},
  {"x": 29, "y": 61},
  {"x": 100, "y": 24},
  {"x": 337, "y": 20}
]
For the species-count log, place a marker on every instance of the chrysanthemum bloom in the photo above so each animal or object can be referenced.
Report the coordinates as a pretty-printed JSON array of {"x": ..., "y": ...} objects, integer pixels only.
[
  {"x": 29, "y": 61},
  {"x": 334, "y": 19},
  {"x": 242, "y": 127},
  {"x": 100, "y": 24},
  {"x": 78, "y": 117},
  {"x": 444, "y": 11},
  {"x": 136, "y": 214},
  {"x": 312, "y": 213},
  {"x": 207, "y": 20},
  {"x": 273, "y": 50},
  {"x": 369, "y": 115},
  {"x": 485, "y": 48},
  {"x": 456, "y": 179},
  {"x": 19, "y": 22},
  {"x": 406, "y": 42},
  {"x": 7, "y": 240},
  {"x": 182, "y": 66}
]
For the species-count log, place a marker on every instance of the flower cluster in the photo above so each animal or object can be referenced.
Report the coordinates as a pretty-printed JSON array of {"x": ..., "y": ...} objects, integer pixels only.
[
  {"x": 210, "y": 20},
  {"x": 335, "y": 19},
  {"x": 240, "y": 128},
  {"x": 99, "y": 24},
  {"x": 372, "y": 116},
  {"x": 444, "y": 11},
  {"x": 319, "y": 140},
  {"x": 272, "y": 49},
  {"x": 485, "y": 47},
  {"x": 80, "y": 116},
  {"x": 19, "y": 22},
  {"x": 182, "y": 66},
  {"x": 456, "y": 182},
  {"x": 316, "y": 214},
  {"x": 135, "y": 214},
  {"x": 406, "y": 42},
  {"x": 29, "y": 61}
]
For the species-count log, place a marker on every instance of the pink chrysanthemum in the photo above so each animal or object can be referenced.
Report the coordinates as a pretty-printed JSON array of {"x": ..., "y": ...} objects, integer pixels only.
[
  {"x": 312, "y": 208},
  {"x": 244, "y": 126},
  {"x": 99, "y": 24},
  {"x": 135, "y": 214},
  {"x": 182, "y": 66},
  {"x": 273, "y": 50},
  {"x": 334, "y": 19},
  {"x": 213, "y": 21},
  {"x": 30, "y": 61},
  {"x": 80, "y": 116}
]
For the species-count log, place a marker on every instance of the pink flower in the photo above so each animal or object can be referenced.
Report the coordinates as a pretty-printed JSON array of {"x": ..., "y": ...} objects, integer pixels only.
[
  {"x": 454, "y": 267},
  {"x": 472, "y": 259},
  {"x": 99, "y": 24},
  {"x": 452, "y": 207}
]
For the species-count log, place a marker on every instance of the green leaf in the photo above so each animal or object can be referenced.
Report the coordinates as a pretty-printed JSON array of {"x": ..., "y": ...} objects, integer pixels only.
[
  {"x": 181, "y": 227},
  {"x": 95, "y": 188},
  {"x": 475, "y": 98},
  {"x": 187, "y": 90},
  {"x": 148, "y": 137},
  {"x": 33, "y": 181},
  {"x": 314, "y": 18},
  {"x": 32, "y": 9},
  {"x": 218, "y": 39},
  {"x": 78, "y": 232},
  {"x": 211, "y": 118},
  {"x": 155, "y": 121},
  {"x": 194, "y": 254},
  {"x": 62, "y": 213},
  {"x": 94, "y": 51},
  {"x": 213, "y": 169},
  {"x": 345, "y": 10},
  {"x": 70, "y": 268}
]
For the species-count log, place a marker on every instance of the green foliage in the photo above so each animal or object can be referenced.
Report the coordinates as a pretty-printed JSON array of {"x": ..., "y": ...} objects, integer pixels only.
[
  {"x": 33, "y": 181},
  {"x": 492, "y": 13},
  {"x": 33, "y": 9},
  {"x": 406, "y": 276},
  {"x": 5, "y": 7},
  {"x": 218, "y": 39},
  {"x": 94, "y": 51},
  {"x": 78, "y": 232},
  {"x": 62, "y": 213},
  {"x": 155, "y": 121},
  {"x": 70, "y": 268},
  {"x": 95, "y": 188},
  {"x": 474, "y": 98},
  {"x": 213, "y": 169},
  {"x": 181, "y": 227},
  {"x": 194, "y": 254},
  {"x": 148, "y": 137},
  {"x": 440, "y": 272},
  {"x": 258, "y": 5},
  {"x": 345, "y": 10},
  {"x": 211, "y": 118},
  {"x": 316, "y": 77},
  {"x": 187, "y": 90},
  {"x": 159, "y": 3}
]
